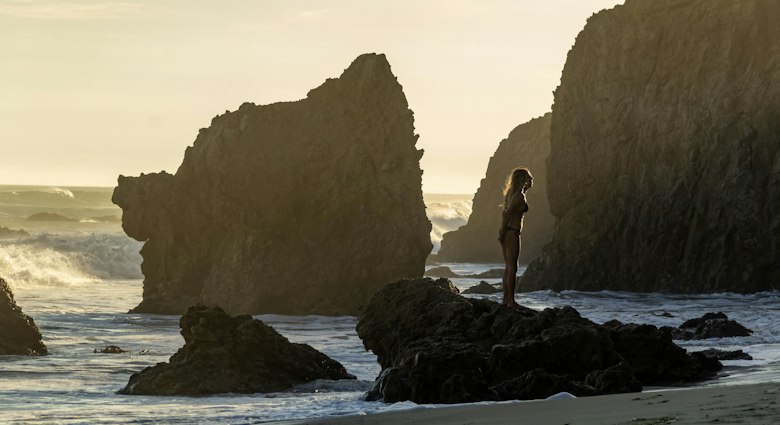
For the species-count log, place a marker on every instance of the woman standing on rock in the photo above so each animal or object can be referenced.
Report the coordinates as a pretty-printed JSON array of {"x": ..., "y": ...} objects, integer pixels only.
[{"x": 515, "y": 206}]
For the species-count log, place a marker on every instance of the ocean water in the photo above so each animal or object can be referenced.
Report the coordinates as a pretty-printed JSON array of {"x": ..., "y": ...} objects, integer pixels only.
[{"x": 79, "y": 278}]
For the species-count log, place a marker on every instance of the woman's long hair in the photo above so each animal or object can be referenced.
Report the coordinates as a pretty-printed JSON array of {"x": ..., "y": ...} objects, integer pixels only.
[{"x": 514, "y": 184}]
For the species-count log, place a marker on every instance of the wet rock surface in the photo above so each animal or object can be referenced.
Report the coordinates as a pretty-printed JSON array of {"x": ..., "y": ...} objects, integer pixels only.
[
  {"x": 18, "y": 333},
  {"x": 526, "y": 146},
  {"x": 270, "y": 200},
  {"x": 713, "y": 353},
  {"x": 711, "y": 325},
  {"x": 226, "y": 354},
  {"x": 664, "y": 166},
  {"x": 435, "y": 346}
]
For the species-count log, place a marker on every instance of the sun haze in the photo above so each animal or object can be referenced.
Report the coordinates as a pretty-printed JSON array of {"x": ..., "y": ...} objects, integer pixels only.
[{"x": 92, "y": 89}]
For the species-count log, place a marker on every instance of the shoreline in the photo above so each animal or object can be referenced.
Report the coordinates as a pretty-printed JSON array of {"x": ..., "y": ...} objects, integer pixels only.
[{"x": 749, "y": 403}]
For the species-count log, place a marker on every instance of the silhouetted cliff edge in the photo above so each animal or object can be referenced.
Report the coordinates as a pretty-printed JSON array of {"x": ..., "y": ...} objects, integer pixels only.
[
  {"x": 300, "y": 207},
  {"x": 526, "y": 146},
  {"x": 664, "y": 170}
]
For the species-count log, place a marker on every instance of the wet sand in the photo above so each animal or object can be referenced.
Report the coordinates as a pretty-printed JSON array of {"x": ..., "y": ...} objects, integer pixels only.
[{"x": 739, "y": 404}]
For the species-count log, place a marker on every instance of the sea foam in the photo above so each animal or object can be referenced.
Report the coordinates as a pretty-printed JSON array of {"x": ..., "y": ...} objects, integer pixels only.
[{"x": 67, "y": 260}]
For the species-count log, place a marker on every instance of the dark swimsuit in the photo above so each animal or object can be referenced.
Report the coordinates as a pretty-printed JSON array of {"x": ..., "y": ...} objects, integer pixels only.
[{"x": 525, "y": 210}]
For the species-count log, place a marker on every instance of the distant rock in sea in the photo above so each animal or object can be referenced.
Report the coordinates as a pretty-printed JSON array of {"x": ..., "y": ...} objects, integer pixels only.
[
  {"x": 45, "y": 216},
  {"x": 10, "y": 233},
  {"x": 436, "y": 346},
  {"x": 18, "y": 333},
  {"x": 477, "y": 242},
  {"x": 482, "y": 288},
  {"x": 224, "y": 354},
  {"x": 441, "y": 271},
  {"x": 664, "y": 168},
  {"x": 303, "y": 207}
]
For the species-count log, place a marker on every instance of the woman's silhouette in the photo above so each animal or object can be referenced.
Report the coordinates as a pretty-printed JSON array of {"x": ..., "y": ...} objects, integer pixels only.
[{"x": 515, "y": 206}]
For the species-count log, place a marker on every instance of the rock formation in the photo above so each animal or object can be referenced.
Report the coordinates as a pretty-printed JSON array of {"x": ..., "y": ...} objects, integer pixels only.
[
  {"x": 302, "y": 207},
  {"x": 527, "y": 146},
  {"x": 664, "y": 168},
  {"x": 224, "y": 354},
  {"x": 711, "y": 325},
  {"x": 18, "y": 333},
  {"x": 482, "y": 288},
  {"x": 436, "y": 346}
]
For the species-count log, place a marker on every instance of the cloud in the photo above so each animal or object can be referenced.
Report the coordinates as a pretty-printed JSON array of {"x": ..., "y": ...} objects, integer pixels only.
[{"x": 85, "y": 10}]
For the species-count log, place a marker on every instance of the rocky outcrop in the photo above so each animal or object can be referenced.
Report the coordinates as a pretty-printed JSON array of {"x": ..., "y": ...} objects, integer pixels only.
[
  {"x": 664, "y": 168},
  {"x": 711, "y": 325},
  {"x": 302, "y": 207},
  {"x": 18, "y": 333},
  {"x": 224, "y": 354},
  {"x": 436, "y": 346},
  {"x": 477, "y": 242},
  {"x": 482, "y": 288}
]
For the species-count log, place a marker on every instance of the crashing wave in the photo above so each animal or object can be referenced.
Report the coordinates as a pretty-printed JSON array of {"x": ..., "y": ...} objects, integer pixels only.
[{"x": 67, "y": 260}]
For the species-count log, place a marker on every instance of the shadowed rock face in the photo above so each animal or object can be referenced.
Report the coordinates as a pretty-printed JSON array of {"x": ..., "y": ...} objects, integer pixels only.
[
  {"x": 664, "y": 169},
  {"x": 18, "y": 333},
  {"x": 301, "y": 207},
  {"x": 527, "y": 146},
  {"x": 436, "y": 346},
  {"x": 224, "y": 354}
]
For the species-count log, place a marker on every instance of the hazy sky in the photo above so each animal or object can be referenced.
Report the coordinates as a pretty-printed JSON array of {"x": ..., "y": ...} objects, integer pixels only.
[{"x": 93, "y": 89}]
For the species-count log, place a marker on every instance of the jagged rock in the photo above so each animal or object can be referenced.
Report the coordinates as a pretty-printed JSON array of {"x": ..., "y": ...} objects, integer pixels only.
[
  {"x": 664, "y": 168},
  {"x": 441, "y": 271},
  {"x": 713, "y": 353},
  {"x": 482, "y": 288},
  {"x": 302, "y": 207},
  {"x": 224, "y": 354},
  {"x": 527, "y": 146},
  {"x": 435, "y": 346},
  {"x": 10, "y": 233},
  {"x": 655, "y": 358},
  {"x": 18, "y": 333},
  {"x": 711, "y": 325}
]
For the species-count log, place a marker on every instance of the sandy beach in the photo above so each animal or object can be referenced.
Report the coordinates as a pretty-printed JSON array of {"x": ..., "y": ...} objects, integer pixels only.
[{"x": 740, "y": 404}]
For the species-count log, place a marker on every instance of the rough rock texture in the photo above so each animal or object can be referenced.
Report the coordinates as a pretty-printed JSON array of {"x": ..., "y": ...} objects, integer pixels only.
[
  {"x": 302, "y": 207},
  {"x": 711, "y": 325},
  {"x": 527, "y": 146},
  {"x": 224, "y": 354},
  {"x": 664, "y": 168},
  {"x": 436, "y": 346},
  {"x": 18, "y": 333}
]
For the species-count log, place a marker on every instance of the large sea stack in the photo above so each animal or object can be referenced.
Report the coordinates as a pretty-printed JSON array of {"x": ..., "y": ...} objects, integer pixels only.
[
  {"x": 477, "y": 242},
  {"x": 664, "y": 170},
  {"x": 18, "y": 333},
  {"x": 302, "y": 207}
]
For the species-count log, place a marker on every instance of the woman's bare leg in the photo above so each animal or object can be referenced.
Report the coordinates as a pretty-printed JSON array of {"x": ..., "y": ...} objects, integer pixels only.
[{"x": 511, "y": 248}]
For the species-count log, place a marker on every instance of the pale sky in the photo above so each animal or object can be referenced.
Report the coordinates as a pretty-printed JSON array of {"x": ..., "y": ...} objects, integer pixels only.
[{"x": 93, "y": 89}]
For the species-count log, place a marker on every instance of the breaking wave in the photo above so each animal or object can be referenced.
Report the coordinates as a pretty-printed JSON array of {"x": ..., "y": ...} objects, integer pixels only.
[
  {"x": 446, "y": 216},
  {"x": 67, "y": 260}
]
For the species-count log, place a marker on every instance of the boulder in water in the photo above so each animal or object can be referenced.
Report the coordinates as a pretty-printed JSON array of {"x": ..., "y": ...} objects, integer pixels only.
[
  {"x": 482, "y": 288},
  {"x": 224, "y": 354},
  {"x": 711, "y": 325},
  {"x": 303, "y": 207},
  {"x": 18, "y": 333}
]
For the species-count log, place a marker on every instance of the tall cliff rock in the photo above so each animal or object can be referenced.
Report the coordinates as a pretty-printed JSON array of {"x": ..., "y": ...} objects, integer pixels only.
[
  {"x": 18, "y": 333},
  {"x": 300, "y": 207},
  {"x": 527, "y": 146},
  {"x": 664, "y": 170}
]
